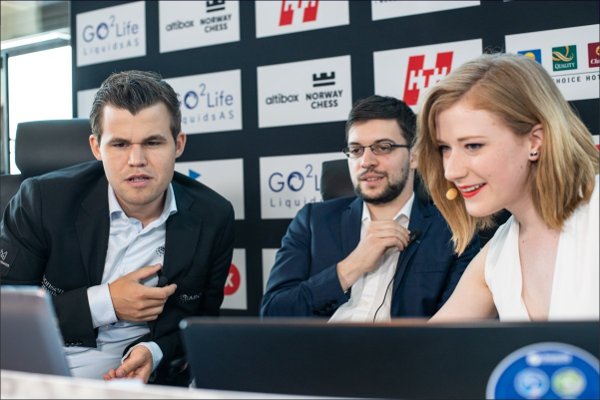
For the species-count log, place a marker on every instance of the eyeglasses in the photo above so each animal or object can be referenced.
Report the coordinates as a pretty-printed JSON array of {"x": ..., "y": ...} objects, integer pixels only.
[{"x": 356, "y": 150}]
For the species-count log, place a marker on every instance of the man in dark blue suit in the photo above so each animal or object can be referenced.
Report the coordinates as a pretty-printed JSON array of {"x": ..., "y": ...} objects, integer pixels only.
[{"x": 386, "y": 253}]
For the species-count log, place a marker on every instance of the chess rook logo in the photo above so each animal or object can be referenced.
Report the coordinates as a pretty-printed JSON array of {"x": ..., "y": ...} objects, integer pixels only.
[
  {"x": 215, "y": 5},
  {"x": 288, "y": 7},
  {"x": 323, "y": 79},
  {"x": 419, "y": 78}
]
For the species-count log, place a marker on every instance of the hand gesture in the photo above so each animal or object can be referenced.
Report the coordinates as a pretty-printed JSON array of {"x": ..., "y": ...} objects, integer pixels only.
[
  {"x": 136, "y": 302},
  {"x": 378, "y": 238}
]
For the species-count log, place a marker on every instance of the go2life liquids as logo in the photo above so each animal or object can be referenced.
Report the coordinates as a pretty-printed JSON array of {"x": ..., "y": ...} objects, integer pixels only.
[
  {"x": 111, "y": 33},
  {"x": 564, "y": 58}
]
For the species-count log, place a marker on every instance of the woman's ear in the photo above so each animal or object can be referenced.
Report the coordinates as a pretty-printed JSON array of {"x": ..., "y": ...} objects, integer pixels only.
[{"x": 536, "y": 139}]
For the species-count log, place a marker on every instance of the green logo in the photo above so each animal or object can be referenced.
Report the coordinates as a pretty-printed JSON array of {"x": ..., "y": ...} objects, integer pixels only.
[
  {"x": 564, "y": 58},
  {"x": 568, "y": 382}
]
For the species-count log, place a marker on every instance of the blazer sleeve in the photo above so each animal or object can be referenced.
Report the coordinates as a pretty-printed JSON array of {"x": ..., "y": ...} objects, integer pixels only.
[
  {"x": 23, "y": 238},
  {"x": 457, "y": 268},
  {"x": 296, "y": 287}
]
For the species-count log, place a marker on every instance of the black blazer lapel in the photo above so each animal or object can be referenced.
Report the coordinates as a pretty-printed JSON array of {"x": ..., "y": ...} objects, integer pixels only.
[
  {"x": 419, "y": 221},
  {"x": 182, "y": 237},
  {"x": 93, "y": 225},
  {"x": 350, "y": 226}
]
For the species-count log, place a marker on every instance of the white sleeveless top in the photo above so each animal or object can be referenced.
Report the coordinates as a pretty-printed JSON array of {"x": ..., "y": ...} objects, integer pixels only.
[{"x": 575, "y": 292}]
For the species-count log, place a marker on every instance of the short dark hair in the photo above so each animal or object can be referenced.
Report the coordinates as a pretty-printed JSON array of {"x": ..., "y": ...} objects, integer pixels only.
[
  {"x": 135, "y": 91},
  {"x": 384, "y": 107}
]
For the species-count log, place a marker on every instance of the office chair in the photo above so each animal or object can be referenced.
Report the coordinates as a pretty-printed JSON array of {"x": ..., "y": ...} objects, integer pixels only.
[
  {"x": 336, "y": 181},
  {"x": 44, "y": 146}
]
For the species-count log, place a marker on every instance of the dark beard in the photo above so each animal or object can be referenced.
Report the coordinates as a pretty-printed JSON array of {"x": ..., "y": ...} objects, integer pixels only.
[{"x": 389, "y": 194}]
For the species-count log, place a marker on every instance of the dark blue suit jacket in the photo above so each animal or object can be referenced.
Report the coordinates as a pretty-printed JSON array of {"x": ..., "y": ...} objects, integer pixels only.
[{"x": 304, "y": 281}]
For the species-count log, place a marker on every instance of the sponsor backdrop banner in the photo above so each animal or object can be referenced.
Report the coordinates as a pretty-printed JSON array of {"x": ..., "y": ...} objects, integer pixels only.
[
  {"x": 226, "y": 177},
  {"x": 268, "y": 259},
  {"x": 266, "y": 86},
  {"x": 189, "y": 24},
  {"x": 235, "y": 286},
  {"x": 288, "y": 16},
  {"x": 304, "y": 92},
  {"x": 111, "y": 33},
  {"x": 383, "y": 9},
  {"x": 571, "y": 56},
  {"x": 85, "y": 100},
  {"x": 209, "y": 102},
  {"x": 287, "y": 183},
  {"x": 408, "y": 73}
]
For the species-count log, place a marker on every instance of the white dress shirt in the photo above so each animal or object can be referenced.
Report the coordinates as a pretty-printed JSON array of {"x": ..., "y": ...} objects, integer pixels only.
[
  {"x": 371, "y": 296},
  {"x": 130, "y": 247}
]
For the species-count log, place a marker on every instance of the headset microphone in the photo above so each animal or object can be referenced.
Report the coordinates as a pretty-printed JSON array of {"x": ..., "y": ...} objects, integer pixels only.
[{"x": 451, "y": 194}]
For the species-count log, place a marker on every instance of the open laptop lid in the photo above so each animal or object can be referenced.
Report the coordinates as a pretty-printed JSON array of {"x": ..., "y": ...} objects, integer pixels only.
[
  {"x": 31, "y": 339},
  {"x": 403, "y": 359}
]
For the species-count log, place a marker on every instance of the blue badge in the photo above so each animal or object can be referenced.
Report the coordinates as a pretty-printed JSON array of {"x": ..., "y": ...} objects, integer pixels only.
[{"x": 546, "y": 371}]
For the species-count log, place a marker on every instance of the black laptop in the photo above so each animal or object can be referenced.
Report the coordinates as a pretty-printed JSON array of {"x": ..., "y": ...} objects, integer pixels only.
[{"x": 402, "y": 359}]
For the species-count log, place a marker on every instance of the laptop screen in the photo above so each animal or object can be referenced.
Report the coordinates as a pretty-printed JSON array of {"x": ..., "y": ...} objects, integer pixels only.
[
  {"x": 31, "y": 339},
  {"x": 402, "y": 359}
]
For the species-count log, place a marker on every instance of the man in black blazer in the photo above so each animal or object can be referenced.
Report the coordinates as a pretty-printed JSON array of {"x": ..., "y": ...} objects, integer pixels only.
[
  {"x": 125, "y": 246},
  {"x": 386, "y": 253}
]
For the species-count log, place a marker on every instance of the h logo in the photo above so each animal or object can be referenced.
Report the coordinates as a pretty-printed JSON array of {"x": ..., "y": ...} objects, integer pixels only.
[
  {"x": 286, "y": 17},
  {"x": 418, "y": 77}
]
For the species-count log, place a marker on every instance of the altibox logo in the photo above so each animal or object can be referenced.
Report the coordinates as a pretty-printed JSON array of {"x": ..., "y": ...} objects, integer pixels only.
[
  {"x": 287, "y": 183},
  {"x": 190, "y": 24},
  {"x": 304, "y": 92},
  {"x": 111, "y": 33},
  {"x": 577, "y": 80},
  {"x": 210, "y": 102},
  {"x": 407, "y": 73},
  {"x": 235, "y": 289},
  {"x": 420, "y": 78},
  {"x": 288, "y": 16},
  {"x": 226, "y": 177}
]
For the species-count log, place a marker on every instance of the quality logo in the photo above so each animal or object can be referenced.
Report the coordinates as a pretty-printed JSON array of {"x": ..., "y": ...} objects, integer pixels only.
[{"x": 564, "y": 58}]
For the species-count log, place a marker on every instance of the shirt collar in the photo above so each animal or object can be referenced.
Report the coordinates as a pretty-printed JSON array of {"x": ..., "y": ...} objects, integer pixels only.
[
  {"x": 115, "y": 210},
  {"x": 405, "y": 210}
]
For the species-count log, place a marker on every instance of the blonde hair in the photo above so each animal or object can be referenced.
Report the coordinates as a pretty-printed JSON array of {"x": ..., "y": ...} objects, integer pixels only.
[{"x": 519, "y": 91}]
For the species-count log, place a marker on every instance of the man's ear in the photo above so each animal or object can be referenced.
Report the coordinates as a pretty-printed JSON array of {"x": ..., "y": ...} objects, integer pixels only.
[
  {"x": 180, "y": 144},
  {"x": 413, "y": 159},
  {"x": 95, "y": 146}
]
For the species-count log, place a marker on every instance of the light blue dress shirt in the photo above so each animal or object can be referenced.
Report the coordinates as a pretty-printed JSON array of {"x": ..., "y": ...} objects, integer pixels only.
[{"x": 130, "y": 247}]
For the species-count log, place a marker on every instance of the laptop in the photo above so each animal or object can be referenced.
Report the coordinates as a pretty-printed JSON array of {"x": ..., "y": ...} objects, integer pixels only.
[
  {"x": 30, "y": 336},
  {"x": 402, "y": 359}
]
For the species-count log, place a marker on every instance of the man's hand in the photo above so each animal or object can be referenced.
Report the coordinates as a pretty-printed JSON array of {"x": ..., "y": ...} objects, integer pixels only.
[
  {"x": 133, "y": 301},
  {"x": 138, "y": 364},
  {"x": 380, "y": 236}
]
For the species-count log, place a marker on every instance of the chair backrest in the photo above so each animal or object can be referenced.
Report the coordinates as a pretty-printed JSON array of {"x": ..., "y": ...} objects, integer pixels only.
[
  {"x": 335, "y": 180},
  {"x": 44, "y": 146}
]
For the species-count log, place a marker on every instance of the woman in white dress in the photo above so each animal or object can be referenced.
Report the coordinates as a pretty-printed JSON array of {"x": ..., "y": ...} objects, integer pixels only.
[{"x": 497, "y": 134}]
